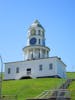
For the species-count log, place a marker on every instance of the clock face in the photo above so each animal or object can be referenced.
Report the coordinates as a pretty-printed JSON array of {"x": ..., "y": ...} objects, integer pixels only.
[{"x": 33, "y": 41}]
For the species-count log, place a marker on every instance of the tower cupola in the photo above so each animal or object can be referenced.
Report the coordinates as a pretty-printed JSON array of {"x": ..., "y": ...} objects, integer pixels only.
[
  {"x": 36, "y": 34},
  {"x": 36, "y": 48},
  {"x": 36, "y": 29}
]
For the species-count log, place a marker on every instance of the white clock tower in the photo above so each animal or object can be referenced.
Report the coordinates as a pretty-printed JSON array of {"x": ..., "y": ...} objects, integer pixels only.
[
  {"x": 36, "y": 48},
  {"x": 36, "y": 63}
]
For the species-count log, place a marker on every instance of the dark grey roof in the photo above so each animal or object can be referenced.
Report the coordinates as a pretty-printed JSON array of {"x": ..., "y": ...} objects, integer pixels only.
[{"x": 37, "y": 23}]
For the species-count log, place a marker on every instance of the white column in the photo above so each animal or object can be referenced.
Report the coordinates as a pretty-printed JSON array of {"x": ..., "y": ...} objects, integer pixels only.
[
  {"x": 28, "y": 54},
  {"x": 27, "y": 42},
  {"x": 41, "y": 56},
  {"x": 46, "y": 54},
  {"x": 34, "y": 55},
  {"x": 36, "y": 31}
]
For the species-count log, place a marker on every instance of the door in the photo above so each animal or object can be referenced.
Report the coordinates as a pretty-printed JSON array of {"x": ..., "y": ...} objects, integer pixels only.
[{"x": 28, "y": 71}]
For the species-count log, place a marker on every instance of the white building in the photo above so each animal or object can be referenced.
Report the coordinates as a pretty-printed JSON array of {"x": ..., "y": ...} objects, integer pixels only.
[{"x": 37, "y": 62}]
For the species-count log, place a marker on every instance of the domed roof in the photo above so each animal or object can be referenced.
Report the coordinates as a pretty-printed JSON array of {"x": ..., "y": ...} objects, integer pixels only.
[{"x": 36, "y": 23}]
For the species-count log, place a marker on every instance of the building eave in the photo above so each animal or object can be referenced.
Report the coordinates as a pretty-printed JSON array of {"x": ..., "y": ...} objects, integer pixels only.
[
  {"x": 54, "y": 57},
  {"x": 37, "y": 46},
  {"x": 59, "y": 60}
]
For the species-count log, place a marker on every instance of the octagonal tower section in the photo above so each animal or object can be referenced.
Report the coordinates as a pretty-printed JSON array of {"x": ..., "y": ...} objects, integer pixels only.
[{"x": 36, "y": 48}]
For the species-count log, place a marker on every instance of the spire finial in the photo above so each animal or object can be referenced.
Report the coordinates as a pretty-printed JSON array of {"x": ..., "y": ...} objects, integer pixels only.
[{"x": 36, "y": 21}]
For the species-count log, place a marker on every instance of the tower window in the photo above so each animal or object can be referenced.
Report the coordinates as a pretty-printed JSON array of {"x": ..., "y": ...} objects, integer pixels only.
[
  {"x": 39, "y": 55},
  {"x": 40, "y": 67},
  {"x": 32, "y": 56},
  {"x": 50, "y": 66},
  {"x": 43, "y": 33},
  {"x": 43, "y": 42},
  {"x": 9, "y": 70},
  {"x": 47, "y": 53},
  {"x": 39, "y": 32},
  {"x": 33, "y": 32},
  {"x": 39, "y": 41},
  {"x": 17, "y": 70}
]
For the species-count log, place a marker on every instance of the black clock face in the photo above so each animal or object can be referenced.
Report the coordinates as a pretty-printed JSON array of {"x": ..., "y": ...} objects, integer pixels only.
[{"x": 33, "y": 41}]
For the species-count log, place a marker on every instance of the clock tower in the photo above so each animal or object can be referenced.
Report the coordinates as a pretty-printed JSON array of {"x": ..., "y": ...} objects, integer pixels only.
[
  {"x": 36, "y": 63},
  {"x": 36, "y": 48}
]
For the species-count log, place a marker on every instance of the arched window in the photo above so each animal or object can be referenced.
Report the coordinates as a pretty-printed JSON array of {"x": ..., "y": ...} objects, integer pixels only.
[
  {"x": 47, "y": 53},
  {"x": 39, "y": 32},
  {"x": 9, "y": 70},
  {"x": 43, "y": 33},
  {"x": 39, "y": 55},
  {"x": 39, "y": 41},
  {"x": 40, "y": 67},
  {"x": 17, "y": 70},
  {"x": 43, "y": 42},
  {"x": 33, "y": 32},
  {"x": 50, "y": 66},
  {"x": 31, "y": 55}
]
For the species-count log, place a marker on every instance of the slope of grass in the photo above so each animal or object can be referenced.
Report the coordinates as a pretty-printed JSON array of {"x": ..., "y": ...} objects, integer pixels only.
[
  {"x": 72, "y": 85},
  {"x": 70, "y": 74},
  {"x": 29, "y": 88},
  {"x": 32, "y": 87},
  {"x": 72, "y": 90}
]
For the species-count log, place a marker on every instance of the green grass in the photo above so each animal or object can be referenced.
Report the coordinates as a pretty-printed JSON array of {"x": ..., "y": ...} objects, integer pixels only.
[
  {"x": 72, "y": 86},
  {"x": 70, "y": 74},
  {"x": 29, "y": 88},
  {"x": 33, "y": 87},
  {"x": 72, "y": 90}
]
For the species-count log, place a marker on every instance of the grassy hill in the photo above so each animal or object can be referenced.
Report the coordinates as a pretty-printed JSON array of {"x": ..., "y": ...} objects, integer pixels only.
[
  {"x": 70, "y": 74},
  {"x": 72, "y": 90},
  {"x": 72, "y": 86},
  {"x": 30, "y": 87},
  {"x": 33, "y": 87}
]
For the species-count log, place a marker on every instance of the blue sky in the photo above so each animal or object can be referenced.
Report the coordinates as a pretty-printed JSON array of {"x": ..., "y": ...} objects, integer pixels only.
[{"x": 56, "y": 16}]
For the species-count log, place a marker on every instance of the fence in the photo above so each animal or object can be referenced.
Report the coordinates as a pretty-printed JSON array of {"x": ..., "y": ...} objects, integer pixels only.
[
  {"x": 9, "y": 97},
  {"x": 72, "y": 93},
  {"x": 59, "y": 94}
]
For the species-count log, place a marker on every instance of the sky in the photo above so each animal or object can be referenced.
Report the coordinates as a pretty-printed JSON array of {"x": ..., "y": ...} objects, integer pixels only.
[{"x": 56, "y": 16}]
